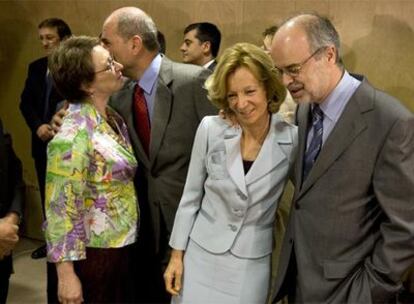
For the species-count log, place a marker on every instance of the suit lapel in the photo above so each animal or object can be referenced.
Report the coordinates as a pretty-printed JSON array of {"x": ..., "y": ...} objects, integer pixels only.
[
  {"x": 271, "y": 154},
  {"x": 349, "y": 126},
  {"x": 234, "y": 162},
  {"x": 303, "y": 120},
  {"x": 162, "y": 108}
]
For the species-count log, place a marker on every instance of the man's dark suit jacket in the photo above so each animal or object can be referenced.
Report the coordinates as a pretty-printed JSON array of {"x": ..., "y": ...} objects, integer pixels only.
[
  {"x": 11, "y": 188},
  {"x": 351, "y": 229},
  {"x": 212, "y": 66},
  {"x": 33, "y": 103}
]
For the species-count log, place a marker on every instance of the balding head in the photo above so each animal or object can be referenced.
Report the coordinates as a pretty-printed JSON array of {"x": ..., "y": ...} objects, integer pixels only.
[
  {"x": 131, "y": 21},
  {"x": 305, "y": 50},
  {"x": 317, "y": 30},
  {"x": 131, "y": 36}
]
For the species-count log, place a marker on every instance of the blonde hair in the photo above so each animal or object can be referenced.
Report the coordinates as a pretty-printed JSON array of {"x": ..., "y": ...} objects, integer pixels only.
[{"x": 258, "y": 63}]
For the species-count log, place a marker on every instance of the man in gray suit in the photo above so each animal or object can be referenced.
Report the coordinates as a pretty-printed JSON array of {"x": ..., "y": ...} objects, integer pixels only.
[
  {"x": 350, "y": 236},
  {"x": 162, "y": 134}
]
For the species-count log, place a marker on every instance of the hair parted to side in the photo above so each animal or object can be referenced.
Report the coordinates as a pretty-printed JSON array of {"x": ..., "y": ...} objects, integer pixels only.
[
  {"x": 71, "y": 65},
  {"x": 259, "y": 64},
  {"x": 61, "y": 26},
  {"x": 131, "y": 23}
]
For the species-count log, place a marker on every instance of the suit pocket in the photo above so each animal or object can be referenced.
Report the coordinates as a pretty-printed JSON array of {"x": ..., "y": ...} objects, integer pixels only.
[
  {"x": 339, "y": 269},
  {"x": 216, "y": 165}
]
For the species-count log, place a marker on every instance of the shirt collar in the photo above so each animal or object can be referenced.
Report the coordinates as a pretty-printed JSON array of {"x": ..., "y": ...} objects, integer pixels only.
[
  {"x": 150, "y": 75},
  {"x": 332, "y": 105},
  {"x": 209, "y": 63}
]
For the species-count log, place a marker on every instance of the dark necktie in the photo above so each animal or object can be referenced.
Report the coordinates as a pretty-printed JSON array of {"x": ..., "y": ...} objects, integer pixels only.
[
  {"x": 315, "y": 145},
  {"x": 142, "y": 122},
  {"x": 48, "y": 90}
]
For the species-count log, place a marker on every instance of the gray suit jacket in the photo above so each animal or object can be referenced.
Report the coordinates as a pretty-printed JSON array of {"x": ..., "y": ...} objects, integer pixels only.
[
  {"x": 351, "y": 227},
  {"x": 180, "y": 104},
  {"x": 222, "y": 208}
]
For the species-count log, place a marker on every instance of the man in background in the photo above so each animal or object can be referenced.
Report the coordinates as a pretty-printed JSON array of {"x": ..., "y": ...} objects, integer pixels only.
[
  {"x": 11, "y": 208},
  {"x": 201, "y": 44},
  {"x": 38, "y": 103}
]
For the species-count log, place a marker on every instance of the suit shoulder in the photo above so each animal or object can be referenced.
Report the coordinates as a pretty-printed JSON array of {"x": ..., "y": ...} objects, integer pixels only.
[
  {"x": 187, "y": 71},
  {"x": 390, "y": 105},
  {"x": 38, "y": 63},
  {"x": 383, "y": 104},
  {"x": 214, "y": 122}
]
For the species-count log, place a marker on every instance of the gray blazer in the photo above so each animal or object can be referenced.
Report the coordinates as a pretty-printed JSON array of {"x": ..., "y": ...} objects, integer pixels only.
[
  {"x": 351, "y": 227},
  {"x": 222, "y": 208},
  {"x": 180, "y": 104}
]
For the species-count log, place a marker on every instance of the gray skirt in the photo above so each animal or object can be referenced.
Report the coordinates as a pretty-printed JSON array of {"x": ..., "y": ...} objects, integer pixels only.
[{"x": 222, "y": 278}]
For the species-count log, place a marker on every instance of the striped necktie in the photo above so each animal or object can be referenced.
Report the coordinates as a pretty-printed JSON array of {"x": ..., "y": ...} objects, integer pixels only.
[{"x": 315, "y": 145}]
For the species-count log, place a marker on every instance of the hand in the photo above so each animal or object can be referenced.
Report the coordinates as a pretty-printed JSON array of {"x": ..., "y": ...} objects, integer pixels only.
[
  {"x": 57, "y": 119},
  {"x": 8, "y": 231},
  {"x": 69, "y": 285},
  {"x": 174, "y": 272},
  {"x": 8, "y": 235},
  {"x": 45, "y": 132}
]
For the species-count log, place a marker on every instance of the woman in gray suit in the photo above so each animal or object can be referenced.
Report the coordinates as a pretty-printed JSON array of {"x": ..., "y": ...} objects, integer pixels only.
[{"x": 222, "y": 235}]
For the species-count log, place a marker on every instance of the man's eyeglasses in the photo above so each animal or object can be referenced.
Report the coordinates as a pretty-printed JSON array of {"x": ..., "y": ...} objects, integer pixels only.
[
  {"x": 110, "y": 66},
  {"x": 293, "y": 70}
]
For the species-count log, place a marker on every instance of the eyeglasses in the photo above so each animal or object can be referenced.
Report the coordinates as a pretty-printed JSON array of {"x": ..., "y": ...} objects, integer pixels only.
[
  {"x": 110, "y": 66},
  {"x": 293, "y": 70}
]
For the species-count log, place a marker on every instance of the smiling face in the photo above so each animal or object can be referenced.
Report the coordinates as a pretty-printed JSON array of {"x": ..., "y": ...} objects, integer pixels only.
[
  {"x": 247, "y": 98},
  {"x": 108, "y": 76},
  {"x": 49, "y": 38},
  {"x": 290, "y": 47}
]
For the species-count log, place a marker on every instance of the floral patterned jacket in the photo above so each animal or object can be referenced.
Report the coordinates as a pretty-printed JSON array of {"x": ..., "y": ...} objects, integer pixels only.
[{"x": 90, "y": 194}]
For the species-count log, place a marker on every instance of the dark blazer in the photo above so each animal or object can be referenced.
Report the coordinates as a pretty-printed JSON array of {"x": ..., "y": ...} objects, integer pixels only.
[
  {"x": 11, "y": 187},
  {"x": 33, "y": 103},
  {"x": 212, "y": 66},
  {"x": 351, "y": 228},
  {"x": 180, "y": 104}
]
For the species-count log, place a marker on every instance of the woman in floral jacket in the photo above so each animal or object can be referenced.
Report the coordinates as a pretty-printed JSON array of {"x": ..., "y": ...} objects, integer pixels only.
[{"x": 91, "y": 204}]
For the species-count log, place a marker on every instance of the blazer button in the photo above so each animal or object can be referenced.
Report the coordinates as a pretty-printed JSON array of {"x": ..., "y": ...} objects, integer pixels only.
[
  {"x": 156, "y": 203},
  {"x": 238, "y": 212},
  {"x": 297, "y": 206},
  {"x": 232, "y": 227}
]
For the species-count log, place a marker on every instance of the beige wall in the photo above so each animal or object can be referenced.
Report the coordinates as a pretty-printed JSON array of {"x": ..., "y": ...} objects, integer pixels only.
[{"x": 377, "y": 36}]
